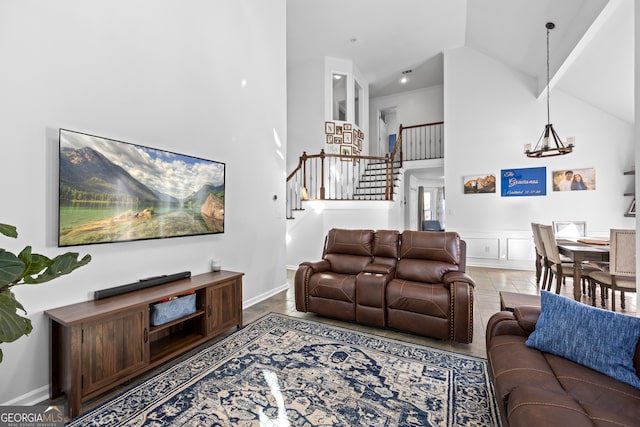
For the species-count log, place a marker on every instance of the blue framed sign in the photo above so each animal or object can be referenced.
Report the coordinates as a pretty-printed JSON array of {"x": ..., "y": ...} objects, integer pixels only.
[{"x": 524, "y": 182}]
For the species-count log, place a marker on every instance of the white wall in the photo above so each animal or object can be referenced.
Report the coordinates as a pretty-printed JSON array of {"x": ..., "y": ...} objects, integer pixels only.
[
  {"x": 305, "y": 109},
  {"x": 157, "y": 73},
  {"x": 490, "y": 113},
  {"x": 305, "y": 234},
  {"x": 413, "y": 108}
]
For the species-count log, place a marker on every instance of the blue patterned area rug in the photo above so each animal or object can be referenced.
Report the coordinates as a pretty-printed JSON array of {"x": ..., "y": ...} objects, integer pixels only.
[{"x": 285, "y": 371}]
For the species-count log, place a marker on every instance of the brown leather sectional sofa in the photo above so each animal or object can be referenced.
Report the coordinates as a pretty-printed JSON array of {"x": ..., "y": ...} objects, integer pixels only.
[
  {"x": 413, "y": 281},
  {"x": 534, "y": 388}
]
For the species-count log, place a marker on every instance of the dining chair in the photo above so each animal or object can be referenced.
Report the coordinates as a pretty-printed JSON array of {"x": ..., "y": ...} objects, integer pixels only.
[
  {"x": 557, "y": 266},
  {"x": 541, "y": 262},
  {"x": 569, "y": 229},
  {"x": 544, "y": 264},
  {"x": 621, "y": 276}
]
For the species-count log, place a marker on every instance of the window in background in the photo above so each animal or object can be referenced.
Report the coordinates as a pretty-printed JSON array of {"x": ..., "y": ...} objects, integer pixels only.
[
  {"x": 339, "y": 97},
  {"x": 357, "y": 95}
]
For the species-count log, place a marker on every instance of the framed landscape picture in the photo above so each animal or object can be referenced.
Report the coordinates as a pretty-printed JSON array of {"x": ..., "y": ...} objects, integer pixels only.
[
  {"x": 114, "y": 191},
  {"x": 474, "y": 184}
]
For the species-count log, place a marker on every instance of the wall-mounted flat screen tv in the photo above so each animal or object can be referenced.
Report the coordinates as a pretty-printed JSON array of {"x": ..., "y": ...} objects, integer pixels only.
[{"x": 114, "y": 191}]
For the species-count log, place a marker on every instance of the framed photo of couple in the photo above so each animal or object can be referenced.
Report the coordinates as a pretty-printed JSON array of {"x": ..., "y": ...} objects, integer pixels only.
[{"x": 574, "y": 179}]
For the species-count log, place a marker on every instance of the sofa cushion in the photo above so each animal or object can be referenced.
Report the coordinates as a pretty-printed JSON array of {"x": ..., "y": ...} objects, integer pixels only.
[
  {"x": 429, "y": 245},
  {"x": 513, "y": 364},
  {"x": 350, "y": 242},
  {"x": 602, "y": 397},
  {"x": 386, "y": 244},
  {"x": 347, "y": 264},
  {"x": 534, "y": 406},
  {"x": 420, "y": 298},
  {"x": 420, "y": 270},
  {"x": 599, "y": 339},
  {"x": 333, "y": 286}
]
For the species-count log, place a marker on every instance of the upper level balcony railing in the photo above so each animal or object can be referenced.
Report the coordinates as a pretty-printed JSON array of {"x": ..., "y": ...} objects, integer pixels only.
[{"x": 419, "y": 142}]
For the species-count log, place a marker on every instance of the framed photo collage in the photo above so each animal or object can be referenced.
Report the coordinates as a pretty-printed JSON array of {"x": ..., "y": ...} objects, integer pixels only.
[{"x": 343, "y": 138}]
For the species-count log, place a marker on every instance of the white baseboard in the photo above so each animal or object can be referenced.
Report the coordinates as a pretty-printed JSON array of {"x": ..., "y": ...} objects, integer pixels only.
[
  {"x": 262, "y": 297},
  {"x": 31, "y": 398}
]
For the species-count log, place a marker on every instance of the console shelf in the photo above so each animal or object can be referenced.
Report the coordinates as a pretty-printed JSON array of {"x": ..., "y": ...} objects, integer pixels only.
[
  {"x": 159, "y": 328},
  {"x": 166, "y": 347},
  {"x": 96, "y": 345}
]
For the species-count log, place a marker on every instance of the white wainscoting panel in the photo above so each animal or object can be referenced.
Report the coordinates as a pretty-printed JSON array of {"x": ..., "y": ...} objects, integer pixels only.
[
  {"x": 520, "y": 249},
  {"x": 487, "y": 248}
]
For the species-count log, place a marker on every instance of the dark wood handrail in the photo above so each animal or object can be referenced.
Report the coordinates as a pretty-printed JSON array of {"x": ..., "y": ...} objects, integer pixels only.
[
  {"x": 344, "y": 156},
  {"x": 292, "y": 174},
  {"x": 422, "y": 125},
  {"x": 395, "y": 147}
]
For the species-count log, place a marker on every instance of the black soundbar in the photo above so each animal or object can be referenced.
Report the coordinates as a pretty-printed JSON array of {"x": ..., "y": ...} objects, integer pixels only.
[{"x": 141, "y": 284}]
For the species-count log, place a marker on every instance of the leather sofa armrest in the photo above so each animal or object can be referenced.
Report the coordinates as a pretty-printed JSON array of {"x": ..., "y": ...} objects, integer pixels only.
[
  {"x": 457, "y": 276},
  {"x": 461, "y": 289},
  {"x": 506, "y": 323},
  {"x": 527, "y": 317},
  {"x": 301, "y": 281},
  {"x": 378, "y": 269},
  {"x": 318, "y": 266}
]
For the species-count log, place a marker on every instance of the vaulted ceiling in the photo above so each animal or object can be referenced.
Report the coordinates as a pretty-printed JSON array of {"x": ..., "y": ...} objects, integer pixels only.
[{"x": 591, "y": 47}]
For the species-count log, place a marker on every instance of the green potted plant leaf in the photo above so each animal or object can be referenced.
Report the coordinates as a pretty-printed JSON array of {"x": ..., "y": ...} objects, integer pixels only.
[{"x": 26, "y": 268}]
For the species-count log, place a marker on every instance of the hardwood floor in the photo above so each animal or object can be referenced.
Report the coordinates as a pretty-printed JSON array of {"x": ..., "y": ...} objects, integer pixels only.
[{"x": 489, "y": 283}]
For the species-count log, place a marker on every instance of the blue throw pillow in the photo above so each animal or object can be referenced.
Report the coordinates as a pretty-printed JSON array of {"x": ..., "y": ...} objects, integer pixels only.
[{"x": 602, "y": 340}]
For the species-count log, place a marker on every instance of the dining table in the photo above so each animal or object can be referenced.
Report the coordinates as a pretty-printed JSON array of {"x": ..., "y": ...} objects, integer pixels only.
[{"x": 580, "y": 250}]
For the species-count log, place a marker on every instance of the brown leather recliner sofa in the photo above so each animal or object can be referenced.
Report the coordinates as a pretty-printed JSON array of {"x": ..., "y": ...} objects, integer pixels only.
[
  {"x": 413, "y": 281},
  {"x": 535, "y": 388}
]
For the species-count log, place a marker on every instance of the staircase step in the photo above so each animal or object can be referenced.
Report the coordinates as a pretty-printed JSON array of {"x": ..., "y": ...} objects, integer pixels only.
[
  {"x": 376, "y": 179},
  {"x": 379, "y": 172},
  {"x": 371, "y": 188},
  {"x": 382, "y": 168},
  {"x": 369, "y": 197}
]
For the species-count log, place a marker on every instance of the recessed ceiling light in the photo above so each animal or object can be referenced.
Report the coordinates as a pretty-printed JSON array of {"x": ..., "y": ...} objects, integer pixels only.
[
  {"x": 337, "y": 76},
  {"x": 404, "y": 79}
]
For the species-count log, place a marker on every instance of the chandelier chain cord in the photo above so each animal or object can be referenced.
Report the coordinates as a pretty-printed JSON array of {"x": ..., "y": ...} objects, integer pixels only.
[
  {"x": 548, "y": 82},
  {"x": 549, "y": 134}
]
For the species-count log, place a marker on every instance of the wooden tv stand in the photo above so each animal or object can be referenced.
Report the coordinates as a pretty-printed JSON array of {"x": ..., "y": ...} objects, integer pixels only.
[{"x": 96, "y": 345}]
